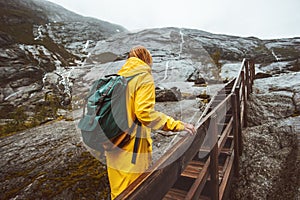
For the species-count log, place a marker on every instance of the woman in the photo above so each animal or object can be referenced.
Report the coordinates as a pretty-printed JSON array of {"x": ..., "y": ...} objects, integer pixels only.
[{"x": 140, "y": 104}]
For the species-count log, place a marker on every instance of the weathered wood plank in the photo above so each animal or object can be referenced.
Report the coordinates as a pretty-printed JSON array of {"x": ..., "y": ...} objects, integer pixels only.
[
  {"x": 175, "y": 194},
  {"x": 197, "y": 187},
  {"x": 213, "y": 168},
  {"x": 225, "y": 135},
  {"x": 235, "y": 133},
  {"x": 193, "y": 169},
  {"x": 226, "y": 177}
]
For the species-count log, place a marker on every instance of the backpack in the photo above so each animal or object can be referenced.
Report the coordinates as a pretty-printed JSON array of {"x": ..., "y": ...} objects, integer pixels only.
[{"x": 106, "y": 119}]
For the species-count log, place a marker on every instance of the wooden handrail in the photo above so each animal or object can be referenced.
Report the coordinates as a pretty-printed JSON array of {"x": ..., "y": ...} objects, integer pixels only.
[{"x": 239, "y": 75}]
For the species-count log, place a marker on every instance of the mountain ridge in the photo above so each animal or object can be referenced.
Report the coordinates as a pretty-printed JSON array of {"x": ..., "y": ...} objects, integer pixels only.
[
  {"x": 42, "y": 42},
  {"x": 36, "y": 38}
]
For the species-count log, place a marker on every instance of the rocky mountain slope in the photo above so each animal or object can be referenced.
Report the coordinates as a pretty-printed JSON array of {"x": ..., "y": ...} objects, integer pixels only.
[
  {"x": 45, "y": 48},
  {"x": 269, "y": 167},
  {"x": 49, "y": 57},
  {"x": 39, "y": 41}
]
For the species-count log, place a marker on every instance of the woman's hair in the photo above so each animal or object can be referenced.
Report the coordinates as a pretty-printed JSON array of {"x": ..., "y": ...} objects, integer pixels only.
[{"x": 141, "y": 53}]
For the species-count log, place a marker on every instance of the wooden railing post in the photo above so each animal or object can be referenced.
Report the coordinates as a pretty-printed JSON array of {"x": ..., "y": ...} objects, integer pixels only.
[
  {"x": 245, "y": 116},
  {"x": 235, "y": 134},
  {"x": 214, "y": 171},
  {"x": 238, "y": 120},
  {"x": 252, "y": 72},
  {"x": 247, "y": 73}
]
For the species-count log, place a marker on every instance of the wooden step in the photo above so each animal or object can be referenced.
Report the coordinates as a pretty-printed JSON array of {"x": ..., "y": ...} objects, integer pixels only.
[
  {"x": 193, "y": 169},
  {"x": 224, "y": 150},
  {"x": 204, "y": 198},
  {"x": 175, "y": 194}
]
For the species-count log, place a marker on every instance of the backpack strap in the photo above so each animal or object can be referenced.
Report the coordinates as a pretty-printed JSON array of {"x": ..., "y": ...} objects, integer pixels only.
[
  {"x": 137, "y": 140},
  {"x": 138, "y": 131}
]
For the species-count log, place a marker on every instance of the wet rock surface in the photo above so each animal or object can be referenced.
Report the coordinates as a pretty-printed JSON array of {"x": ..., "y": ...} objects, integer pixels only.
[
  {"x": 39, "y": 39},
  {"x": 49, "y": 162},
  {"x": 269, "y": 168}
]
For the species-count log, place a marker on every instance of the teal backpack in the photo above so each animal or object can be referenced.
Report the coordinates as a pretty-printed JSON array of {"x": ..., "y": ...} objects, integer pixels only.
[{"x": 106, "y": 116}]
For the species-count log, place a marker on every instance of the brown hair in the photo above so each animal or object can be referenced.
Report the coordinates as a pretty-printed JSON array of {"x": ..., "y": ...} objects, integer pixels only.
[{"x": 141, "y": 53}]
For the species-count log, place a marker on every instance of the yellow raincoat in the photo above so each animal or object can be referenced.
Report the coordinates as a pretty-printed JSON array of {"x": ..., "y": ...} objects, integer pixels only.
[{"x": 140, "y": 104}]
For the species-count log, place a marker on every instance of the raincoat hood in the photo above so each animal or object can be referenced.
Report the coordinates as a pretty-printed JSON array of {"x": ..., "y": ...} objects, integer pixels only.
[{"x": 134, "y": 66}]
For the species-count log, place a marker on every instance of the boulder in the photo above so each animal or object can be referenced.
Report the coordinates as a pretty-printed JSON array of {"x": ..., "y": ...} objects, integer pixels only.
[
  {"x": 163, "y": 95},
  {"x": 260, "y": 75}
]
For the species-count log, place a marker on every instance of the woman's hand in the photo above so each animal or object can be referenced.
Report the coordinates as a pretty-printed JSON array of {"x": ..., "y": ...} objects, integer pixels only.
[{"x": 190, "y": 128}]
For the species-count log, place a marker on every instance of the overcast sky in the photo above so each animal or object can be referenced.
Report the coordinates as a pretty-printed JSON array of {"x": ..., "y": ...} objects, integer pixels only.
[{"x": 265, "y": 19}]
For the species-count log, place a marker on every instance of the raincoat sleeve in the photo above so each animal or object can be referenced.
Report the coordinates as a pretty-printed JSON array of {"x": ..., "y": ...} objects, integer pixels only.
[{"x": 146, "y": 114}]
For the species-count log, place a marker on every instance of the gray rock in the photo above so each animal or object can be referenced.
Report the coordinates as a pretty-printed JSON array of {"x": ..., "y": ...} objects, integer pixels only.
[
  {"x": 51, "y": 42},
  {"x": 50, "y": 162},
  {"x": 162, "y": 95},
  {"x": 274, "y": 98},
  {"x": 261, "y": 108},
  {"x": 260, "y": 75},
  {"x": 269, "y": 166}
]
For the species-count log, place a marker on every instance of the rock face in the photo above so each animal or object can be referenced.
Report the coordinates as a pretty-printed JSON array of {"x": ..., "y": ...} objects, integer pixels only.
[
  {"x": 39, "y": 42},
  {"x": 236, "y": 48},
  {"x": 269, "y": 165},
  {"x": 49, "y": 162}
]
